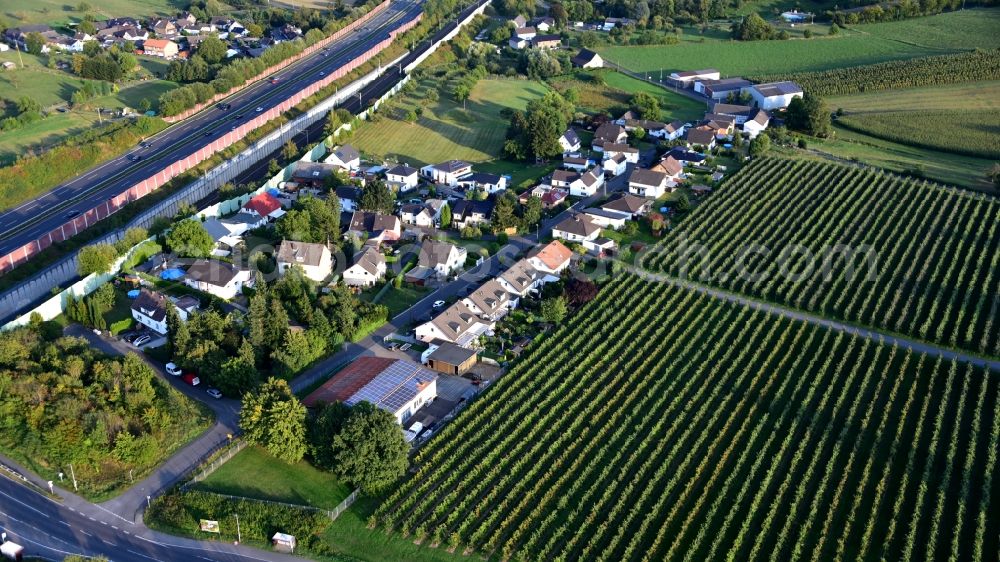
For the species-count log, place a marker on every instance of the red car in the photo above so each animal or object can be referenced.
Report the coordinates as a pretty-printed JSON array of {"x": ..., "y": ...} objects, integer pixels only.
[{"x": 191, "y": 379}]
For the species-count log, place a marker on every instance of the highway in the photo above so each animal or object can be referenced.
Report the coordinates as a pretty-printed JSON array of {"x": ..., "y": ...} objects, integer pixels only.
[{"x": 26, "y": 223}]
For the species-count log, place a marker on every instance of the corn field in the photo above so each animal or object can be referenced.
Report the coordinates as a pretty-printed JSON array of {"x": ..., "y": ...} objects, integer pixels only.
[
  {"x": 663, "y": 424},
  {"x": 865, "y": 246}
]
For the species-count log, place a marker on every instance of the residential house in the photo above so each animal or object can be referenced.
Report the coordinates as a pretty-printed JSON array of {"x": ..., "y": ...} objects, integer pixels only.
[
  {"x": 650, "y": 127},
  {"x": 17, "y": 36},
  {"x": 578, "y": 163},
  {"x": 218, "y": 278},
  {"x": 519, "y": 21},
  {"x": 442, "y": 258},
  {"x": 738, "y": 113},
  {"x": 569, "y": 141},
  {"x": 398, "y": 386},
  {"x": 609, "y": 133},
  {"x": 673, "y": 130},
  {"x": 150, "y": 309},
  {"x": 435, "y": 206},
  {"x": 468, "y": 212},
  {"x": 490, "y": 301},
  {"x": 316, "y": 175},
  {"x": 578, "y": 185},
  {"x": 689, "y": 77},
  {"x": 448, "y": 358},
  {"x": 757, "y": 124},
  {"x": 647, "y": 183},
  {"x": 264, "y": 205},
  {"x": 630, "y": 153},
  {"x": 551, "y": 259},
  {"x": 627, "y": 204},
  {"x": 774, "y": 95},
  {"x": 345, "y": 157},
  {"x": 576, "y": 228},
  {"x": 615, "y": 166},
  {"x": 723, "y": 125},
  {"x": 368, "y": 268},
  {"x": 164, "y": 28},
  {"x": 349, "y": 197},
  {"x": 551, "y": 196},
  {"x": 611, "y": 23},
  {"x": 701, "y": 136},
  {"x": 672, "y": 167},
  {"x": 721, "y": 89},
  {"x": 315, "y": 260},
  {"x": 605, "y": 219},
  {"x": 543, "y": 24},
  {"x": 242, "y": 222},
  {"x": 490, "y": 183},
  {"x": 516, "y": 42},
  {"x": 163, "y": 48},
  {"x": 448, "y": 172},
  {"x": 795, "y": 16},
  {"x": 417, "y": 215},
  {"x": 520, "y": 279},
  {"x": 587, "y": 59},
  {"x": 402, "y": 178},
  {"x": 457, "y": 324},
  {"x": 222, "y": 235},
  {"x": 374, "y": 226},
  {"x": 544, "y": 42},
  {"x": 287, "y": 32},
  {"x": 526, "y": 33}
]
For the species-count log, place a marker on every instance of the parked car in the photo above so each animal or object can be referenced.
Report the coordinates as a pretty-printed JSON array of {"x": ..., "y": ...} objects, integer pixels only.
[
  {"x": 439, "y": 304},
  {"x": 215, "y": 393},
  {"x": 142, "y": 340},
  {"x": 173, "y": 369},
  {"x": 191, "y": 379}
]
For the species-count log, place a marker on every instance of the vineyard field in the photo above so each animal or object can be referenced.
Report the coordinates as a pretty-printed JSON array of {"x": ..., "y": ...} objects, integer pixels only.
[
  {"x": 660, "y": 423},
  {"x": 958, "y": 131},
  {"x": 866, "y": 246}
]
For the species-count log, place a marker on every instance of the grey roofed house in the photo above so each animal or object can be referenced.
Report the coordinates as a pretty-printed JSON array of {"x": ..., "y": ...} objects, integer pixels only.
[
  {"x": 673, "y": 126},
  {"x": 456, "y": 320},
  {"x": 452, "y": 166},
  {"x": 592, "y": 176},
  {"x": 725, "y": 85},
  {"x": 215, "y": 272},
  {"x": 348, "y": 192},
  {"x": 402, "y": 170},
  {"x": 584, "y": 57},
  {"x": 682, "y": 155},
  {"x": 465, "y": 208},
  {"x": 646, "y": 177},
  {"x": 608, "y": 132},
  {"x": 528, "y": 30},
  {"x": 242, "y": 218},
  {"x": 546, "y": 38},
  {"x": 434, "y": 253},
  {"x": 578, "y": 225},
  {"x": 371, "y": 221},
  {"x": 721, "y": 119},
  {"x": 490, "y": 298},
  {"x": 520, "y": 276},
  {"x": 646, "y": 124},
  {"x": 369, "y": 259},
  {"x": 450, "y": 353},
  {"x": 215, "y": 229},
  {"x": 603, "y": 213},
  {"x": 620, "y": 147},
  {"x": 305, "y": 253},
  {"x": 761, "y": 117},
  {"x": 151, "y": 304},
  {"x": 571, "y": 137},
  {"x": 519, "y": 21},
  {"x": 700, "y": 136},
  {"x": 346, "y": 153},
  {"x": 565, "y": 176},
  {"x": 312, "y": 172},
  {"x": 626, "y": 203},
  {"x": 412, "y": 209},
  {"x": 731, "y": 109},
  {"x": 484, "y": 178},
  {"x": 575, "y": 161},
  {"x": 778, "y": 89}
]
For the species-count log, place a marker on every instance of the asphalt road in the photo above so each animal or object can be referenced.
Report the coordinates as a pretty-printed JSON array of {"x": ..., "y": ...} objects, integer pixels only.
[{"x": 35, "y": 218}]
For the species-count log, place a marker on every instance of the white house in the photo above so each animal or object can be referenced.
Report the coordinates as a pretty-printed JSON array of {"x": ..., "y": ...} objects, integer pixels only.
[
  {"x": 689, "y": 77},
  {"x": 670, "y": 166},
  {"x": 609, "y": 133},
  {"x": 569, "y": 141},
  {"x": 630, "y": 153},
  {"x": 647, "y": 183},
  {"x": 150, "y": 309},
  {"x": 490, "y": 301},
  {"x": 264, "y": 205},
  {"x": 587, "y": 59},
  {"x": 402, "y": 178},
  {"x": 349, "y": 197},
  {"x": 315, "y": 260},
  {"x": 448, "y": 172},
  {"x": 346, "y": 157},
  {"x": 441, "y": 258},
  {"x": 368, "y": 268},
  {"x": 526, "y": 33},
  {"x": 576, "y": 228},
  {"x": 627, "y": 205},
  {"x": 490, "y": 183},
  {"x": 471, "y": 212},
  {"x": 756, "y": 125},
  {"x": 673, "y": 130},
  {"x": 457, "y": 324},
  {"x": 615, "y": 166},
  {"x": 218, "y": 278},
  {"x": 605, "y": 219},
  {"x": 774, "y": 95},
  {"x": 520, "y": 279},
  {"x": 417, "y": 215},
  {"x": 551, "y": 259},
  {"x": 579, "y": 185}
]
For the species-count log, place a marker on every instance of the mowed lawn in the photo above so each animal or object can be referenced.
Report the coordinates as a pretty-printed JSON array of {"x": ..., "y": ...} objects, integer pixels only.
[
  {"x": 615, "y": 93},
  {"x": 970, "y": 96},
  {"x": 253, "y": 473},
  {"x": 863, "y": 44},
  {"x": 60, "y": 12},
  {"x": 445, "y": 130}
]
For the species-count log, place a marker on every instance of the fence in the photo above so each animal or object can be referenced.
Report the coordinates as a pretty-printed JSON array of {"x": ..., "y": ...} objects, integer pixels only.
[
  {"x": 333, "y": 514},
  {"x": 228, "y": 453}
]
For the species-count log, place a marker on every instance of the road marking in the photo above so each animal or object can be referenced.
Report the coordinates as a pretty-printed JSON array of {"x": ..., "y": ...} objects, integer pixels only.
[
  {"x": 67, "y": 524},
  {"x": 12, "y": 498},
  {"x": 144, "y": 555},
  {"x": 86, "y": 533},
  {"x": 106, "y": 541},
  {"x": 115, "y": 528}
]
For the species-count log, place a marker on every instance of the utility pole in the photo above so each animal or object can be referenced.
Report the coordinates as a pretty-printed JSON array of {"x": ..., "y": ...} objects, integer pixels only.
[
  {"x": 99, "y": 118},
  {"x": 239, "y": 535},
  {"x": 72, "y": 474}
]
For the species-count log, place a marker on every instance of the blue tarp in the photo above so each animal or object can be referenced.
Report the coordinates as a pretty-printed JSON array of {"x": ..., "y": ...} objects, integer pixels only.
[
  {"x": 273, "y": 192},
  {"x": 133, "y": 293},
  {"x": 171, "y": 274}
]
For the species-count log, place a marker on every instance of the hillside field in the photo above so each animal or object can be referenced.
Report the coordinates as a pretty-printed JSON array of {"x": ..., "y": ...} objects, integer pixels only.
[
  {"x": 614, "y": 92},
  {"x": 959, "y": 131},
  {"x": 864, "y": 44},
  {"x": 663, "y": 424},
  {"x": 904, "y": 255}
]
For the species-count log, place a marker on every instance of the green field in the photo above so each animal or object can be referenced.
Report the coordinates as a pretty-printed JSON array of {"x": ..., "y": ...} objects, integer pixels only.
[
  {"x": 614, "y": 94},
  {"x": 253, "y": 473},
  {"x": 57, "y": 13},
  {"x": 664, "y": 424},
  {"x": 445, "y": 130},
  {"x": 958, "y": 131},
  {"x": 970, "y": 96},
  {"x": 863, "y": 44}
]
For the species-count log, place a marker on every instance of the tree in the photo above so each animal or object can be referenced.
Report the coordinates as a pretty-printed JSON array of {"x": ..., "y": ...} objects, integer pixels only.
[
  {"x": 238, "y": 374},
  {"x": 580, "y": 291},
  {"x": 212, "y": 49},
  {"x": 28, "y": 104},
  {"x": 531, "y": 213},
  {"x": 809, "y": 114},
  {"x": 34, "y": 43},
  {"x": 554, "y": 309},
  {"x": 273, "y": 418},
  {"x": 647, "y": 106},
  {"x": 370, "y": 451},
  {"x": 87, "y": 27},
  {"x": 327, "y": 421},
  {"x": 760, "y": 145},
  {"x": 289, "y": 151},
  {"x": 536, "y": 131},
  {"x": 504, "y": 213},
  {"x": 96, "y": 258},
  {"x": 144, "y": 105},
  {"x": 376, "y": 196},
  {"x": 445, "y": 216},
  {"x": 752, "y": 28},
  {"x": 682, "y": 203},
  {"x": 190, "y": 239}
]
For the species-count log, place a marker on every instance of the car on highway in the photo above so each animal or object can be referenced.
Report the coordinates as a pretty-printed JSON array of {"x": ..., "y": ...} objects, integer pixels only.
[
  {"x": 142, "y": 340},
  {"x": 191, "y": 379},
  {"x": 214, "y": 393},
  {"x": 145, "y": 144},
  {"x": 275, "y": 80},
  {"x": 439, "y": 304},
  {"x": 259, "y": 109},
  {"x": 208, "y": 133},
  {"x": 72, "y": 214},
  {"x": 322, "y": 73},
  {"x": 224, "y": 106},
  {"x": 173, "y": 369},
  {"x": 134, "y": 157}
]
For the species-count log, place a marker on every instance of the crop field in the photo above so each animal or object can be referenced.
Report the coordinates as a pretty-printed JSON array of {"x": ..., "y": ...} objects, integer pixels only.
[
  {"x": 664, "y": 424},
  {"x": 615, "y": 90},
  {"x": 960, "y": 131},
  {"x": 905, "y": 255},
  {"x": 446, "y": 130},
  {"x": 972, "y": 96},
  {"x": 865, "y": 44}
]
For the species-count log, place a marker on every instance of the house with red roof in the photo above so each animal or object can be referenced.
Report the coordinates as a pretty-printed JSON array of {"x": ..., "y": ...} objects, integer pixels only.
[{"x": 264, "y": 205}]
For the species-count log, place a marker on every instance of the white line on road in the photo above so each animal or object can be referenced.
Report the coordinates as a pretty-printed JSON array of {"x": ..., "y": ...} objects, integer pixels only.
[
  {"x": 141, "y": 554},
  {"x": 43, "y": 514},
  {"x": 86, "y": 533}
]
